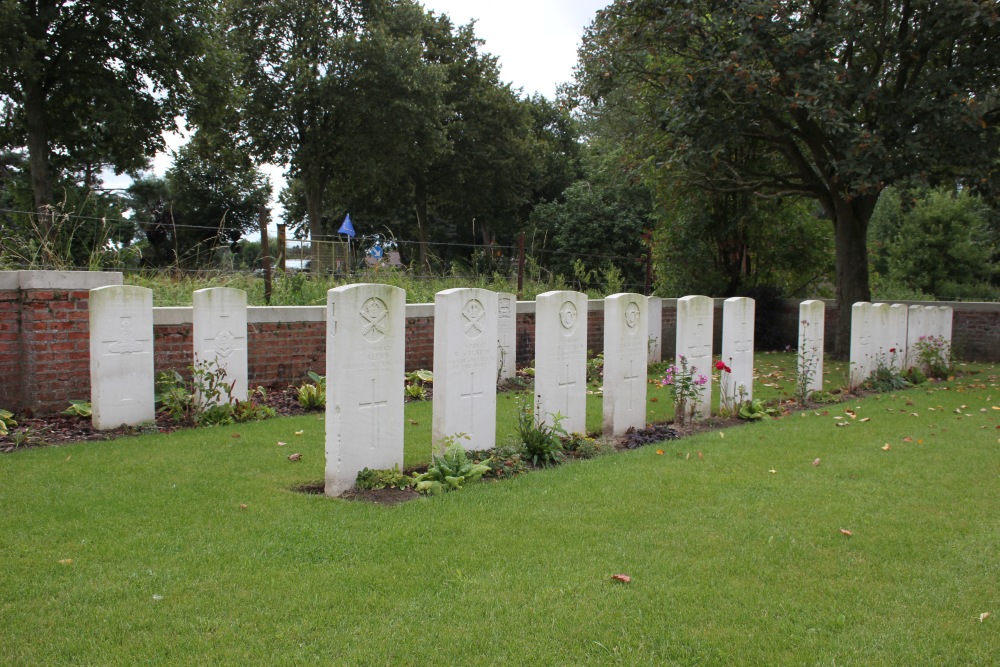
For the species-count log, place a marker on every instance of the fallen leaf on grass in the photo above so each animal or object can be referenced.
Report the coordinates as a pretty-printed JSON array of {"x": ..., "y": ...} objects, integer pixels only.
[
  {"x": 281, "y": 444},
  {"x": 866, "y": 419},
  {"x": 983, "y": 616},
  {"x": 851, "y": 413},
  {"x": 236, "y": 435},
  {"x": 243, "y": 506},
  {"x": 66, "y": 561},
  {"x": 920, "y": 442},
  {"x": 700, "y": 456},
  {"x": 842, "y": 424},
  {"x": 721, "y": 434},
  {"x": 69, "y": 457},
  {"x": 654, "y": 399},
  {"x": 624, "y": 578},
  {"x": 816, "y": 462},
  {"x": 659, "y": 452},
  {"x": 914, "y": 414},
  {"x": 299, "y": 432},
  {"x": 844, "y": 531},
  {"x": 886, "y": 447},
  {"x": 907, "y": 439},
  {"x": 772, "y": 471},
  {"x": 294, "y": 457}
]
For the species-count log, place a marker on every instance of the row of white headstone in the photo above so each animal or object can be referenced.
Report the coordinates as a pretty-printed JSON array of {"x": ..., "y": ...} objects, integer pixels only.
[
  {"x": 890, "y": 335},
  {"x": 474, "y": 347}
]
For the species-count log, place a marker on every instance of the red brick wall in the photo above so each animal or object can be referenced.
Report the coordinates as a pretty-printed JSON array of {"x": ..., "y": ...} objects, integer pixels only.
[
  {"x": 45, "y": 360},
  {"x": 10, "y": 349}
]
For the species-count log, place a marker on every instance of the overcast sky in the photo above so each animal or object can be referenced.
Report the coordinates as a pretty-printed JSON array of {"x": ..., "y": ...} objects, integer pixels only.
[{"x": 535, "y": 40}]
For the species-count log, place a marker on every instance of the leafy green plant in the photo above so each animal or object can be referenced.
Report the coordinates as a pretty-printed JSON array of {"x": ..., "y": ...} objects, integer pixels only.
[
  {"x": 542, "y": 442},
  {"x": 173, "y": 396},
  {"x": 755, "y": 410},
  {"x": 584, "y": 447},
  {"x": 504, "y": 461},
  {"x": 914, "y": 376},
  {"x": 252, "y": 409},
  {"x": 415, "y": 382},
  {"x": 449, "y": 471},
  {"x": 79, "y": 408},
  {"x": 687, "y": 388},
  {"x": 934, "y": 356},
  {"x": 886, "y": 375},
  {"x": 313, "y": 396},
  {"x": 6, "y": 421},
  {"x": 391, "y": 478}
]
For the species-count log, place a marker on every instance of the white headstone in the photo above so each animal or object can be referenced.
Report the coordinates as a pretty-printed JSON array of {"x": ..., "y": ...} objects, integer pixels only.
[
  {"x": 626, "y": 347},
  {"x": 695, "y": 322},
  {"x": 655, "y": 309},
  {"x": 465, "y": 367},
  {"x": 946, "y": 315},
  {"x": 916, "y": 328},
  {"x": 812, "y": 330},
  {"x": 866, "y": 339},
  {"x": 737, "y": 350},
  {"x": 220, "y": 335},
  {"x": 895, "y": 341},
  {"x": 506, "y": 335},
  {"x": 121, "y": 356},
  {"x": 561, "y": 358},
  {"x": 365, "y": 353}
]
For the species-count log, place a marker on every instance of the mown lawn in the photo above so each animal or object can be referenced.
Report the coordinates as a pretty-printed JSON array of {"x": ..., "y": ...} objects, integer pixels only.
[{"x": 138, "y": 551}]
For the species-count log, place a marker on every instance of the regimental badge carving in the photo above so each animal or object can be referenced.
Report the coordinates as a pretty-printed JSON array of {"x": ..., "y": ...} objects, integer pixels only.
[
  {"x": 505, "y": 307},
  {"x": 632, "y": 315},
  {"x": 473, "y": 312},
  {"x": 567, "y": 315},
  {"x": 374, "y": 314},
  {"x": 126, "y": 344},
  {"x": 224, "y": 343}
]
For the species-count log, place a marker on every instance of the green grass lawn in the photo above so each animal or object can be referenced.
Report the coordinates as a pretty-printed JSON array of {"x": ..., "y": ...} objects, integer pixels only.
[{"x": 137, "y": 551}]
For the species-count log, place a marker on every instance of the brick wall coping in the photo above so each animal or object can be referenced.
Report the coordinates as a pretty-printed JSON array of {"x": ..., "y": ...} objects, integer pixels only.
[{"x": 59, "y": 280}]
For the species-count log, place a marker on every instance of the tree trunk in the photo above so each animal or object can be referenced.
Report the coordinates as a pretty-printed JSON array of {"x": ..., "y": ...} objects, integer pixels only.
[
  {"x": 850, "y": 220},
  {"x": 38, "y": 159},
  {"x": 423, "y": 225}
]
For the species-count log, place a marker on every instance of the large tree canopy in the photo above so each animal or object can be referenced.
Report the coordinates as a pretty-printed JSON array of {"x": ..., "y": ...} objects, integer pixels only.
[
  {"x": 841, "y": 98},
  {"x": 86, "y": 85}
]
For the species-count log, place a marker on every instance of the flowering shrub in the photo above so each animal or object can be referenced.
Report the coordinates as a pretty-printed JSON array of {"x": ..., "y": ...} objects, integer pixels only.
[
  {"x": 934, "y": 356},
  {"x": 687, "y": 389}
]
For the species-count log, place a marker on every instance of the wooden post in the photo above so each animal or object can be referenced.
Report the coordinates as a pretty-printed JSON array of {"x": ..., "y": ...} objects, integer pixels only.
[
  {"x": 265, "y": 254},
  {"x": 281, "y": 246}
]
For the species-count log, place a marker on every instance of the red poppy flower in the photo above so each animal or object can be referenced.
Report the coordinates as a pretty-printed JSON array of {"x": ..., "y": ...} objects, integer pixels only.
[{"x": 720, "y": 366}]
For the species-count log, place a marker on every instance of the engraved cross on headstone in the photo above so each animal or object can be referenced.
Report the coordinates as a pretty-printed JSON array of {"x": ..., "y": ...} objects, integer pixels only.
[
  {"x": 630, "y": 378},
  {"x": 374, "y": 406},
  {"x": 471, "y": 395},
  {"x": 567, "y": 384}
]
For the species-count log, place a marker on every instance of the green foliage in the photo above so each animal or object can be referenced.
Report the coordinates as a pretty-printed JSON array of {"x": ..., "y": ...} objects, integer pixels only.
[
  {"x": 887, "y": 374},
  {"x": 79, "y": 408},
  {"x": 391, "y": 478},
  {"x": 253, "y": 409},
  {"x": 415, "y": 381},
  {"x": 755, "y": 410},
  {"x": 581, "y": 446},
  {"x": 937, "y": 242},
  {"x": 595, "y": 368},
  {"x": 6, "y": 421},
  {"x": 542, "y": 442},
  {"x": 934, "y": 356},
  {"x": 206, "y": 400},
  {"x": 313, "y": 396},
  {"x": 504, "y": 461},
  {"x": 449, "y": 471}
]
